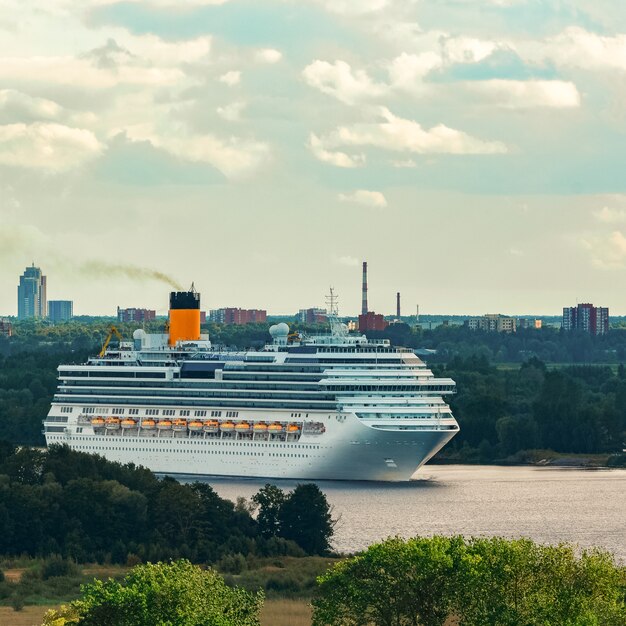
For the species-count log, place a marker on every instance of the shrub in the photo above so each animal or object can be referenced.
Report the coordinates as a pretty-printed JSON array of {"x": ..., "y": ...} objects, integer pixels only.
[{"x": 56, "y": 566}]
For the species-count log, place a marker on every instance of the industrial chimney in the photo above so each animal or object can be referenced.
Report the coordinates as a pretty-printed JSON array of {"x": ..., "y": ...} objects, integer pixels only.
[
  {"x": 364, "y": 298},
  {"x": 398, "y": 305}
]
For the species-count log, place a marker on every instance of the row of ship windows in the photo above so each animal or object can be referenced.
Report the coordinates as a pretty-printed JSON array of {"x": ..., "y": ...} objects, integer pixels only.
[
  {"x": 320, "y": 394},
  {"x": 414, "y": 388},
  {"x": 233, "y": 452},
  {"x": 218, "y": 442}
]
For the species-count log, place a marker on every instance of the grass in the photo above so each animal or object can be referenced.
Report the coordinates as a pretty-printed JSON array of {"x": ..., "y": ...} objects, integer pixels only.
[
  {"x": 286, "y": 613},
  {"x": 28, "y": 616},
  {"x": 282, "y": 577}
]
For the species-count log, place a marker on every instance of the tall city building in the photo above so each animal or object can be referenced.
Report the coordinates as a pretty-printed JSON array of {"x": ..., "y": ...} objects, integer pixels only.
[
  {"x": 586, "y": 317},
  {"x": 60, "y": 310},
  {"x": 31, "y": 294}
]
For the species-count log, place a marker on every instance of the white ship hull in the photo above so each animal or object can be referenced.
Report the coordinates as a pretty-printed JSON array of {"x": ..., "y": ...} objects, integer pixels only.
[{"x": 348, "y": 450}]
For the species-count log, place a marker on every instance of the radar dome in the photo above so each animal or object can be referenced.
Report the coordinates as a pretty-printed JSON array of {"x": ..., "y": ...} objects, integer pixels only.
[
  {"x": 278, "y": 331},
  {"x": 140, "y": 333}
]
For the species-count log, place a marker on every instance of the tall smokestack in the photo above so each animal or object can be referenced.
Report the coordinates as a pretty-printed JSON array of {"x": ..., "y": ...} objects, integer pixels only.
[
  {"x": 398, "y": 305},
  {"x": 364, "y": 298}
]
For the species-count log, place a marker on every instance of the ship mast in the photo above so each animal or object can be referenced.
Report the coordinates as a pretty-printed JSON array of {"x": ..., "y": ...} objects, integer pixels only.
[{"x": 337, "y": 329}]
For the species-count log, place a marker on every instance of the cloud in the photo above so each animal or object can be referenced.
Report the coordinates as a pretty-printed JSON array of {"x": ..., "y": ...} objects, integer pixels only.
[
  {"x": 374, "y": 199},
  {"x": 235, "y": 157},
  {"x": 610, "y": 216},
  {"x": 353, "y": 7},
  {"x": 47, "y": 146},
  {"x": 18, "y": 106},
  {"x": 523, "y": 94},
  {"x": 396, "y": 134},
  {"x": 607, "y": 252},
  {"x": 350, "y": 261},
  {"x": 268, "y": 55},
  {"x": 144, "y": 60},
  {"x": 231, "y": 112},
  {"x": 231, "y": 78},
  {"x": 407, "y": 71},
  {"x": 340, "y": 81},
  {"x": 576, "y": 47},
  {"x": 339, "y": 159}
]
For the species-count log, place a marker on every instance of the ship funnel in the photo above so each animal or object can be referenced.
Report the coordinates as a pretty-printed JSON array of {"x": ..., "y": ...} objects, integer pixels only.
[{"x": 184, "y": 316}]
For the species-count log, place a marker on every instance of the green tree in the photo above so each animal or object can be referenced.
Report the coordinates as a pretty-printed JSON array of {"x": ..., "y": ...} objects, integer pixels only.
[
  {"x": 305, "y": 517},
  {"x": 394, "y": 583},
  {"x": 270, "y": 500},
  {"x": 162, "y": 594},
  {"x": 480, "y": 582}
]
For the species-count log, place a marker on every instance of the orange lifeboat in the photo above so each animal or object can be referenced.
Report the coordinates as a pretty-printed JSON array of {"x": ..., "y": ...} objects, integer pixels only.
[
  {"x": 164, "y": 424},
  {"x": 243, "y": 427},
  {"x": 260, "y": 427},
  {"x": 293, "y": 428},
  {"x": 148, "y": 424},
  {"x": 112, "y": 423},
  {"x": 276, "y": 427},
  {"x": 211, "y": 426},
  {"x": 227, "y": 427},
  {"x": 195, "y": 425},
  {"x": 180, "y": 425},
  {"x": 128, "y": 423},
  {"x": 97, "y": 422}
]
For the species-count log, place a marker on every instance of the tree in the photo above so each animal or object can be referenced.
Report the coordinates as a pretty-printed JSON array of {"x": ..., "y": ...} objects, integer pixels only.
[
  {"x": 306, "y": 519},
  {"x": 162, "y": 594},
  {"x": 394, "y": 583},
  {"x": 423, "y": 582},
  {"x": 270, "y": 500}
]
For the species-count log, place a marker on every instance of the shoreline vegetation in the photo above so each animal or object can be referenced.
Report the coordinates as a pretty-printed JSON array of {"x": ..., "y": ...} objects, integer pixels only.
[{"x": 88, "y": 539}]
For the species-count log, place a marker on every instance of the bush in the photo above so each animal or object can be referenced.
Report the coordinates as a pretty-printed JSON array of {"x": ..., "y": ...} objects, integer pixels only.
[
  {"x": 56, "y": 566},
  {"x": 17, "y": 602},
  {"x": 480, "y": 581},
  {"x": 232, "y": 563}
]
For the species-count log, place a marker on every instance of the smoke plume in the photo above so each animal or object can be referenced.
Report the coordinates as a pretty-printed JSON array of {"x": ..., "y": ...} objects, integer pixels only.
[
  {"x": 101, "y": 269},
  {"x": 20, "y": 240}
]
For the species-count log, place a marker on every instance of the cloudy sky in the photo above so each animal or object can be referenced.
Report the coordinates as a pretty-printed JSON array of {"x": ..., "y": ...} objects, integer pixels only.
[{"x": 473, "y": 151}]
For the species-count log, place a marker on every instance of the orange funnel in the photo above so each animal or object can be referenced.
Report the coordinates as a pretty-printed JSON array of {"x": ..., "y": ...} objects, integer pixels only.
[{"x": 184, "y": 316}]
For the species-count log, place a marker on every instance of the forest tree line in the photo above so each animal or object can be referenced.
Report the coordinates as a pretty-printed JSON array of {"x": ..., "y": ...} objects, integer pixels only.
[{"x": 83, "y": 507}]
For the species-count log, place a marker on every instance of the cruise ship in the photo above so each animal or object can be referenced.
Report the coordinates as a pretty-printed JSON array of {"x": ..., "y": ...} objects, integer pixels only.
[{"x": 334, "y": 406}]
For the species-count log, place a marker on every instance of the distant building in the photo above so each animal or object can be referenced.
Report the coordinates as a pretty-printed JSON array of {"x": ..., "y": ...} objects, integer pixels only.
[
  {"x": 60, "y": 310},
  {"x": 203, "y": 317},
  {"x": 372, "y": 321},
  {"x": 313, "y": 316},
  {"x": 525, "y": 322},
  {"x": 135, "y": 315},
  {"x": 494, "y": 323},
  {"x": 586, "y": 317},
  {"x": 6, "y": 329},
  {"x": 232, "y": 315},
  {"x": 31, "y": 294}
]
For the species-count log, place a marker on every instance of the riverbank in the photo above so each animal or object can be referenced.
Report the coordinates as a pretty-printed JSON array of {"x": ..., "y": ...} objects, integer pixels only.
[{"x": 538, "y": 458}]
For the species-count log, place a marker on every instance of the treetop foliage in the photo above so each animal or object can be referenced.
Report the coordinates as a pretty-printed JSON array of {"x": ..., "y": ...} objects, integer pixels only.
[
  {"x": 81, "y": 506},
  {"x": 425, "y": 581},
  {"x": 162, "y": 594}
]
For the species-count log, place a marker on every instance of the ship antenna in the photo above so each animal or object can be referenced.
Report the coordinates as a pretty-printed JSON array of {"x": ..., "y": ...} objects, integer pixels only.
[{"x": 337, "y": 329}]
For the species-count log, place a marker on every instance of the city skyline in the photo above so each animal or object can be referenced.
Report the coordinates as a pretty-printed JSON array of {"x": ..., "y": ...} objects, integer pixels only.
[{"x": 475, "y": 164}]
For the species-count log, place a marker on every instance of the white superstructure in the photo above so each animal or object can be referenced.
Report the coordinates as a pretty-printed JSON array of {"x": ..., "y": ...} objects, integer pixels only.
[{"x": 333, "y": 406}]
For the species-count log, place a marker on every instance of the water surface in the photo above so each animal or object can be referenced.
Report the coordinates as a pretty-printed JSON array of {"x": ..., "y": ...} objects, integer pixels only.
[{"x": 549, "y": 505}]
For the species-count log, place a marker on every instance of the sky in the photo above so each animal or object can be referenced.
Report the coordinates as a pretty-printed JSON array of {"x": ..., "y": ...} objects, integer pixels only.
[{"x": 472, "y": 151}]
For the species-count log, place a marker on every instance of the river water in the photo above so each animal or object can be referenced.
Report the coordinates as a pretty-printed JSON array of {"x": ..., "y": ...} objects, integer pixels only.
[{"x": 549, "y": 505}]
